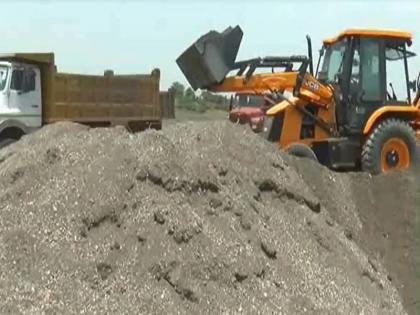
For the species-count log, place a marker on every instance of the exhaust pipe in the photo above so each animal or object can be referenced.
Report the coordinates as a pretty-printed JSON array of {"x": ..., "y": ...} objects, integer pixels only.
[
  {"x": 311, "y": 61},
  {"x": 209, "y": 59}
]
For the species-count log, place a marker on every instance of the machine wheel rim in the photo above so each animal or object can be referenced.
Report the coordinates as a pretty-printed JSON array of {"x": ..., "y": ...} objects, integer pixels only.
[{"x": 395, "y": 155}]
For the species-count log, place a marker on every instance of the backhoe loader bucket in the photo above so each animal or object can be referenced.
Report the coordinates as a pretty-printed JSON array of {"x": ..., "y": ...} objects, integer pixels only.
[{"x": 210, "y": 58}]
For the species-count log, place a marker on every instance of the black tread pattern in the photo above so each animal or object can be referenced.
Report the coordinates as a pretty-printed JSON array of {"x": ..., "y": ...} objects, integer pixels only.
[{"x": 389, "y": 128}]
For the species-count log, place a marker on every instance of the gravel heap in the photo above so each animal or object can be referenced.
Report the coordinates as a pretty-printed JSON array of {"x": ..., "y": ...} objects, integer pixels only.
[
  {"x": 382, "y": 215},
  {"x": 200, "y": 218}
]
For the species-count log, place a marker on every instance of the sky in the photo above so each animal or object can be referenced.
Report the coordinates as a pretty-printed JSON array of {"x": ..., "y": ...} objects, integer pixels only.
[{"x": 136, "y": 36}]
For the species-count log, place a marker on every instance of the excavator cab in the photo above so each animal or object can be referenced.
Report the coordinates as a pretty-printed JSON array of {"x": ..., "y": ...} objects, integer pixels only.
[
  {"x": 360, "y": 65},
  {"x": 363, "y": 67}
]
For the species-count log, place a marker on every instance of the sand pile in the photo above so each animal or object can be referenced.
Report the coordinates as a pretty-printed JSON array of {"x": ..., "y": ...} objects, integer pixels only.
[{"x": 201, "y": 218}]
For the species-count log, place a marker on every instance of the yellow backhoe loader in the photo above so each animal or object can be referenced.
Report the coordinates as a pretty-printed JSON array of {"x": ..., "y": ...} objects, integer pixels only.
[{"x": 346, "y": 114}]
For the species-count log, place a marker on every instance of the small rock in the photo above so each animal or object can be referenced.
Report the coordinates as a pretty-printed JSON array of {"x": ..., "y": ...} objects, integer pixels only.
[
  {"x": 314, "y": 205},
  {"x": 211, "y": 211},
  {"x": 141, "y": 175},
  {"x": 329, "y": 222},
  {"x": 183, "y": 236},
  {"x": 141, "y": 238},
  {"x": 245, "y": 223},
  {"x": 159, "y": 217},
  {"x": 16, "y": 175},
  {"x": 266, "y": 185},
  {"x": 188, "y": 294},
  {"x": 115, "y": 246},
  {"x": 257, "y": 196},
  {"x": 238, "y": 212},
  {"x": 171, "y": 229},
  {"x": 373, "y": 264},
  {"x": 104, "y": 270},
  {"x": 348, "y": 234},
  {"x": 215, "y": 203},
  {"x": 52, "y": 155},
  {"x": 268, "y": 249},
  {"x": 260, "y": 273},
  {"x": 83, "y": 232},
  {"x": 130, "y": 187},
  {"x": 254, "y": 207},
  {"x": 228, "y": 206},
  {"x": 223, "y": 172},
  {"x": 277, "y": 165},
  {"x": 240, "y": 276}
]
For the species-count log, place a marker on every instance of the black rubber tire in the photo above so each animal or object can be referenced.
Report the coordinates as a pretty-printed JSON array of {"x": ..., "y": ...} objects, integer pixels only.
[
  {"x": 6, "y": 141},
  {"x": 302, "y": 150},
  {"x": 385, "y": 130}
]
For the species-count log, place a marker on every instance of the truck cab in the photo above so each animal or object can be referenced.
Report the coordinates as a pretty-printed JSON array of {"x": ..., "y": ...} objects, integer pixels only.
[{"x": 20, "y": 93}]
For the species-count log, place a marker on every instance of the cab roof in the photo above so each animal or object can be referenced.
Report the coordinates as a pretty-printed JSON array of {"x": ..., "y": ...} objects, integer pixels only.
[
  {"x": 400, "y": 35},
  {"x": 43, "y": 58}
]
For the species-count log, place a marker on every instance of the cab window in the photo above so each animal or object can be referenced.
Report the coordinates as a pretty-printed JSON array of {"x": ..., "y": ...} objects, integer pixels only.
[
  {"x": 17, "y": 80},
  {"x": 23, "y": 80},
  {"x": 396, "y": 81},
  {"x": 370, "y": 69},
  {"x": 333, "y": 62}
]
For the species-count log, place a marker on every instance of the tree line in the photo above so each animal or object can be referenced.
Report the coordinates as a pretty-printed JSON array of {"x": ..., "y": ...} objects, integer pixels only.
[{"x": 187, "y": 99}]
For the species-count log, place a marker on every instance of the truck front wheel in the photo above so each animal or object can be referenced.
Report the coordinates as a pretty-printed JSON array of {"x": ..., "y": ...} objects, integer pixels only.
[{"x": 391, "y": 146}]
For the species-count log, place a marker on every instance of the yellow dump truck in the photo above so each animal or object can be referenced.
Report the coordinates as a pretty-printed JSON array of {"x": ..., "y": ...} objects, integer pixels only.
[{"x": 33, "y": 94}]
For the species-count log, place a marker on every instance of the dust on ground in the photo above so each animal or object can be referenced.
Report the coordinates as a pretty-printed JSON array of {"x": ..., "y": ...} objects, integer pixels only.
[{"x": 190, "y": 220}]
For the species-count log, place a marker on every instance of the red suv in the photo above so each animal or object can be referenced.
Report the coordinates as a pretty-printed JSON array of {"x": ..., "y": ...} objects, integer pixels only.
[{"x": 249, "y": 108}]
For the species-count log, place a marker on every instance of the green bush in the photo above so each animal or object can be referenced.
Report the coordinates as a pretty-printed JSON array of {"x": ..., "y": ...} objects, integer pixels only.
[
  {"x": 191, "y": 104},
  {"x": 206, "y": 101}
]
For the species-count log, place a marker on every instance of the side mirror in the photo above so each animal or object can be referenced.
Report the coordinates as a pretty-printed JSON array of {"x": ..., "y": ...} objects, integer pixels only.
[
  {"x": 415, "y": 84},
  {"x": 412, "y": 85}
]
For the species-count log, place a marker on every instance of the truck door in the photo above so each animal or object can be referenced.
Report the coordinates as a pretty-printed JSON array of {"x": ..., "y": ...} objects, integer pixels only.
[
  {"x": 366, "y": 90},
  {"x": 25, "y": 95},
  {"x": 4, "y": 96}
]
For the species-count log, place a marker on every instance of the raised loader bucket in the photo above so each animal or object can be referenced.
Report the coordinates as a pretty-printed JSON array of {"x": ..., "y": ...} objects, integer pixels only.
[{"x": 210, "y": 58}]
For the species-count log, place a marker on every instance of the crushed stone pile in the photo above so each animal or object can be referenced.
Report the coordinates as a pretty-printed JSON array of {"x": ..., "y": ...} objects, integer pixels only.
[
  {"x": 200, "y": 218},
  {"x": 382, "y": 215}
]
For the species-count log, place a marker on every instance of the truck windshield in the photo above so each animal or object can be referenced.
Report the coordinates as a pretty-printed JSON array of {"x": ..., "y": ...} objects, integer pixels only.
[
  {"x": 333, "y": 62},
  {"x": 3, "y": 77},
  {"x": 249, "y": 100}
]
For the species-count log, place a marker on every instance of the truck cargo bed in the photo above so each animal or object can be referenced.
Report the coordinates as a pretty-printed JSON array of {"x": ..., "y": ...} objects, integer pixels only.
[{"x": 105, "y": 100}]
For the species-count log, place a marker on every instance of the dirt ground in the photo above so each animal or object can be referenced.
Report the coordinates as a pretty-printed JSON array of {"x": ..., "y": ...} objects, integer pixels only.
[{"x": 194, "y": 220}]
